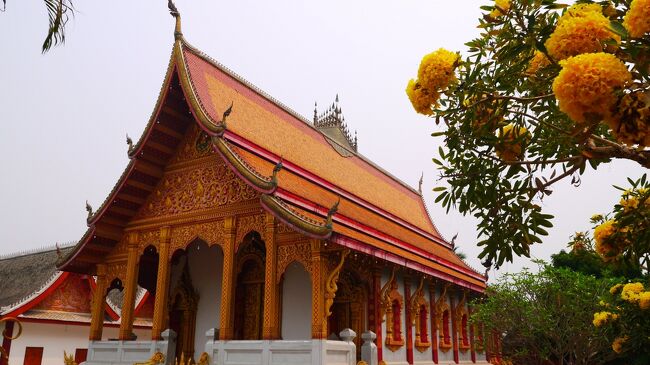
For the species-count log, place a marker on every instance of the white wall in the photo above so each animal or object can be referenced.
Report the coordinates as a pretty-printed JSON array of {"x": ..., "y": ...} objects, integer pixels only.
[
  {"x": 296, "y": 303},
  {"x": 55, "y": 338},
  {"x": 206, "y": 269}
]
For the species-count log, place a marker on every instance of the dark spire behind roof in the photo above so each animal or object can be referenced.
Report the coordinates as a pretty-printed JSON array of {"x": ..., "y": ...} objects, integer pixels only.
[{"x": 332, "y": 123}]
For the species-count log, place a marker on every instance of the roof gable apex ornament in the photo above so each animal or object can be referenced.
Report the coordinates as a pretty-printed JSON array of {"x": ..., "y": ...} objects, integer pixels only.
[
  {"x": 173, "y": 11},
  {"x": 129, "y": 142},
  {"x": 420, "y": 183},
  {"x": 89, "y": 209}
]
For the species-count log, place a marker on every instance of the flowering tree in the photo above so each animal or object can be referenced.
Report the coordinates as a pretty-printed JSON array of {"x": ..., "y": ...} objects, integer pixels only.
[
  {"x": 546, "y": 317},
  {"x": 545, "y": 93},
  {"x": 623, "y": 237}
]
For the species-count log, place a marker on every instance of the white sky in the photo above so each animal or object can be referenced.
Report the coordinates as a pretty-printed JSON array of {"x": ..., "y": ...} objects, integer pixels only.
[{"x": 64, "y": 115}]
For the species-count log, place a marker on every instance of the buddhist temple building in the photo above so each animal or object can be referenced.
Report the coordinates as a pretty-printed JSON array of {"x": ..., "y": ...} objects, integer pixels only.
[
  {"x": 267, "y": 238},
  {"x": 53, "y": 308}
]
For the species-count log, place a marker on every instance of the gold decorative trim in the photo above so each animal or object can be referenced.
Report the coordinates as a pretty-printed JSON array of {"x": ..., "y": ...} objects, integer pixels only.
[
  {"x": 418, "y": 301},
  {"x": 157, "y": 358},
  {"x": 302, "y": 223},
  {"x": 330, "y": 283},
  {"x": 242, "y": 168},
  {"x": 445, "y": 344},
  {"x": 389, "y": 296}
]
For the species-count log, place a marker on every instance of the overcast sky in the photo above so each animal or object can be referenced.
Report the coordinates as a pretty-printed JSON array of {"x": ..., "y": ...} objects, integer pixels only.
[{"x": 64, "y": 115}]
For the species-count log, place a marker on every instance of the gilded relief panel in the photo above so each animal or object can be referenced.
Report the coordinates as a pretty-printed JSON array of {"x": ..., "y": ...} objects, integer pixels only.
[
  {"x": 196, "y": 188},
  {"x": 196, "y": 144},
  {"x": 210, "y": 232},
  {"x": 299, "y": 252}
]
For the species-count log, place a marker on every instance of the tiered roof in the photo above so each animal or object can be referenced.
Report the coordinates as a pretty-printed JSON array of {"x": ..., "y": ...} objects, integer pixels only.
[{"x": 299, "y": 169}]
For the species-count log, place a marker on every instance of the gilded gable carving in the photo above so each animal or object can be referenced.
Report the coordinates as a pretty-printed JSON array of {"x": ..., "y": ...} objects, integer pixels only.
[
  {"x": 211, "y": 232},
  {"x": 299, "y": 252},
  {"x": 196, "y": 144},
  {"x": 196, "y": 188},
  {"x": 72, "y": 296},
  {"x": 248, "y": 224}
]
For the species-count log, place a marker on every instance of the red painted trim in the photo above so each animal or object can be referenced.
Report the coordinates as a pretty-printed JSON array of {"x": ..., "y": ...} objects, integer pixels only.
[
  {"x": 6, "y": 342},
  {"x": 454, "y": 329},
  {"x": 288, "y": 165},
  {"x": 34, "y": 301},
  {"x": 140, "y": 304},
  {"x": 407, "y": 317},
  {"x": 399, "y": 260},
  {"x": 351, "y": 223},
  {"x": 434, "y": 329},
  {"x": 111, "y": 313},
  {"x": 471, "y": 338},
  {"x": 378, "y": 320},
  {"x": 74, "y": 323}
]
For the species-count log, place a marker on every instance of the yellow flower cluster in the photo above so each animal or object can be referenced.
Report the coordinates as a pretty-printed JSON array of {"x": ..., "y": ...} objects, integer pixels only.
[
  {"x": 421, "y": 98},
  {"x": 615, "y": 289},
  {"x": 631, "y": 292},
  {"x": 585, "y": 87},
  {"x": 637, "y": 18},
  {"x": 617, "y": 345},
  {"x": 436, "y": 70},
  {"x": 538, "y": 62},
  {"x": 501, "y": 7},
  {"x": 600, "y": 318},
  {"x": 435, "y": 74},
  {"x": 582, "y": 29},
  {"x": 602, "y": 235},
  {"x": 631, "y": 121},
  {"x": 512, "y": 140},
  {"x": 644, "y": 300}
]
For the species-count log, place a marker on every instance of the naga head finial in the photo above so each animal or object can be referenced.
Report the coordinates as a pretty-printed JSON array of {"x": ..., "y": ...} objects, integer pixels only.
[
  {"x": 89, "y": 209},
  {"x": 129, "y": 142},
  {"x": 176, "y": 14},
  {"x": 331, "y": 213},
  {"x": 420, "y": 183}
]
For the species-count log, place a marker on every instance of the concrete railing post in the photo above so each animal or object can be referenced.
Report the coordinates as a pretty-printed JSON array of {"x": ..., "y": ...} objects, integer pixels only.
[
  {"x": 369, "y": 349},
  {"x": 348, "y": 335},
  {"x": 169, "y": 336}
]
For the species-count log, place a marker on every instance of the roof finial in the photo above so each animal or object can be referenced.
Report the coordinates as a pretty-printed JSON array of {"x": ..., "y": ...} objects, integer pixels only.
[
  {"x": 89, "y": 209},
  {"x": 420, "y": 183},
  {"x": 174, "y": 12},
  {"x": 337, "y": 97},
  {"x": 315, "y": 113}
]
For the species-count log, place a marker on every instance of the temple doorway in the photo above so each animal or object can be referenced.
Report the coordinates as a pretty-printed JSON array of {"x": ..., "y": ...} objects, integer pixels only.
[
  {"x": 249, "y": 292},
  {"x": 349, "y": 308},
  {"x": 182, "y": 311}
]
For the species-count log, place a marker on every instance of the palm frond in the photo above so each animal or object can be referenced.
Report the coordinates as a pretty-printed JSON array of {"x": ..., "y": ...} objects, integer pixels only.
[{"x": 59, "y": 12}]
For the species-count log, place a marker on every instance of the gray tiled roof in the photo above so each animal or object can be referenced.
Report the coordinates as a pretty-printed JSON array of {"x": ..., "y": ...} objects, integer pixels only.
[{"x": 23, "y": 274}]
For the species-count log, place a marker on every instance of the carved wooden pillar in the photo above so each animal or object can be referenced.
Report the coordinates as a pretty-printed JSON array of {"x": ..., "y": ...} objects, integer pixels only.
[
  {"x": 227, "y": 281},
  {"x": 270, "y": 328},
  {"x": 454, "y": 325},
  {"x": 434, "y": 323},
  {"x": 97, "y": 310},
  {"x": 162, "y": 284},
  {"x": 376, "y": 285},
  {"x": 409, "y": 322},
  {"x": 319, "y": 268},
  {"x": 130, "y": 288}
]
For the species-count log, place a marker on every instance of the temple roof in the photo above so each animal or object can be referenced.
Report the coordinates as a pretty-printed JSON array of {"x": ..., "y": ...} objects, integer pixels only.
[
  {"x": 287, "y": 158},
  {"x": 29, "y": 277},
  {"x": 26, "y": 273}
]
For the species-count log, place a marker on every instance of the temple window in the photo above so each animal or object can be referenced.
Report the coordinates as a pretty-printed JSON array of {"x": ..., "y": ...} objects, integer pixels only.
[
  {"x": 397, "y": 321},
  {"x": 464, "y": 335},
  {"x": 420, "y": 315},
  {"x": 424, "y": 336},
  {"x": 392, "y": 303},
  {"x": 444, "y": 327}
]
